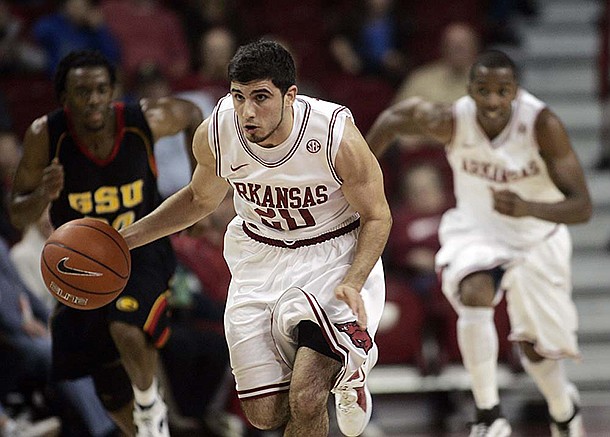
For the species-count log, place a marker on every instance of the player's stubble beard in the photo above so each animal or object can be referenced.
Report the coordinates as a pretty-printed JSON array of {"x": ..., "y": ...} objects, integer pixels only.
[{"x": 260, "y": 140}]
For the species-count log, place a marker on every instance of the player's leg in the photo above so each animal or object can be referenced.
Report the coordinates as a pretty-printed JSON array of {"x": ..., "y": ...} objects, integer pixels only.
[
  {"x": 561, "y": 395},
  {"x": 267, "y": 413},
  {"x": 113, "y": 388},
  {"x": 544, "y": 321},
  {"x": 478, "y": 343},
  {"x": 140, "y": 360},
  {"x": 312, "y": 379}
]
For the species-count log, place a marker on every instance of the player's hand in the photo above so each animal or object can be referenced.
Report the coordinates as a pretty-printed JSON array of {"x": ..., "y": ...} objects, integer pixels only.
[
  {"x": 509, "y": 203},
  {"x": 53, "y": 180},
  {"x": 351, "y": 296}
]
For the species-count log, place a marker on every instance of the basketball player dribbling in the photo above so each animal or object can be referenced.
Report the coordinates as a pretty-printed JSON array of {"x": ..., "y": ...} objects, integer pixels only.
[
  {"x": 307, "y": 288},
  {"x": 517, "y": 183},
  {"x": 94, "y": 157}
]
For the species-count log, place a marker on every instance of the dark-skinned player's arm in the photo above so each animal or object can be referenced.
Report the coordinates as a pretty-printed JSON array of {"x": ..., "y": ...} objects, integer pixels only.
[
  {"x": 565, "y": 171},
  {"x": 36, "y": 183},
  {"x": 412, "y": 116},
  {"x": 363, "y": 189},
  {"x": 196, "y": 200},
  {"x": 169, "y": 115}
]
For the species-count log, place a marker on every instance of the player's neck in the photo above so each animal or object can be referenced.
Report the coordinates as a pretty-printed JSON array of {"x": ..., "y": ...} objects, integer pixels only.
[{"x": 100, "y": 142}]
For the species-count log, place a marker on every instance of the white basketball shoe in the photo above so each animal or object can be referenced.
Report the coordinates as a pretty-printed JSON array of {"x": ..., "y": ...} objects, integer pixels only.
[
  {"x": 490, "y": 423},
  {"x": 574, "y": 426},
  {"x": 151, "y": 421},
  {"x": 354, "y": 406}
]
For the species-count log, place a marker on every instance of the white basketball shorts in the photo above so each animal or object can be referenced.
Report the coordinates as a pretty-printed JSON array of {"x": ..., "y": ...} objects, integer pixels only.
[{"x": 274, "y": 288}]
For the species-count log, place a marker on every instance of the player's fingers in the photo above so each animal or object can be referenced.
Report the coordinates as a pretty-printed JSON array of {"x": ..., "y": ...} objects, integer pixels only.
[{"x": 361, "y": 316}]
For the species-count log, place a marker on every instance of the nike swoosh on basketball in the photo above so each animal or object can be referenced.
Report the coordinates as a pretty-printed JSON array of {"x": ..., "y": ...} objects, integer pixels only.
[
  {"x": 67, "y": 270},
  {"x": 238, "y": 167}
]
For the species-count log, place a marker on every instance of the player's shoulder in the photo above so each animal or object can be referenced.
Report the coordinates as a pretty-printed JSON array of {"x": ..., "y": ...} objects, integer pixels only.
[
  {"x": 323, "y": 107},
  {"x": 527, "y": 99},
  {"x": 224, "y": 104}
]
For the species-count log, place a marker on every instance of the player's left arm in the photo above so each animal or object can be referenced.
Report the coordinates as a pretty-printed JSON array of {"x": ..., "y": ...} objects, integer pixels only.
[
  {"x": 363, "y": 189},
  {"x": 169, "y": 116},
  {"x": 565, "y": 171}
]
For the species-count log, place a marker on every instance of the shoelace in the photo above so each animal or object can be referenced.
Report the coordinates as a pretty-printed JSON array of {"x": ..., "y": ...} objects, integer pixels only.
[{"x": 347, "y": 400}]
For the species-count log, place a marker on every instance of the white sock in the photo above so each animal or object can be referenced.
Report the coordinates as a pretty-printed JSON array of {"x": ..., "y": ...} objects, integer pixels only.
[
  {"x": 146, "y": 397},
  {"x": 478, "y": 342},
  {"x": 550, "y": 377}
]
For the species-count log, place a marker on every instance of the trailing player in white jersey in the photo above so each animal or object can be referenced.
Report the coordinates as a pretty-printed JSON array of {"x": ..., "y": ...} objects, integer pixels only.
[
  {"x": 307, "y": 288},
  {"x": 518, "y": 182}
]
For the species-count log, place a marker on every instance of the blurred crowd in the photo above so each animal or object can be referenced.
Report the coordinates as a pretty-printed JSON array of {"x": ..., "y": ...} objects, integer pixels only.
[{"x": 364, "y": 54}]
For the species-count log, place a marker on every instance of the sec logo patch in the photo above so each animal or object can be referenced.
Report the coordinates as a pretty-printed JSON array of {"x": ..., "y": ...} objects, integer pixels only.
[{"x": 127, "y": 304}]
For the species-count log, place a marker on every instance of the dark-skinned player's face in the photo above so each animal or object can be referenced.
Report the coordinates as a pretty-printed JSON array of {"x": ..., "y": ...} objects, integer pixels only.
[
  {"x": 261, "y": 110},
  {"x": 493, "y": 90},
  {"x": 88, "y": 95}
]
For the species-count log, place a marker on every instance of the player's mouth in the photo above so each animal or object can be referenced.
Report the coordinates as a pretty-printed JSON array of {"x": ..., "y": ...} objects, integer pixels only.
[
  {"x": 250, "y": 129},
  {"x": 95, "y": 117},
  {"x": 493, "y": 114}
]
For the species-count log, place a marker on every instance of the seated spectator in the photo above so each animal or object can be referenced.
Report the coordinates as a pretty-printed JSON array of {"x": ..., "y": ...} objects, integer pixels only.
[
  {"x": 149, "y": 33},
  {"x": 216, "y": 47},
  {"x": 25, "y": 334},
  {"x": 445, "y": 79},
  {"x": 413, "y": 244},
  {"x": 201, "y": 16},
  {"x": 10, "y": 153},
  {"x": 77, "y": 25},
  {"x": 25, "y": 255},
  {"x": 17, "y": 54},
  {"x": 370, "y": 39}
]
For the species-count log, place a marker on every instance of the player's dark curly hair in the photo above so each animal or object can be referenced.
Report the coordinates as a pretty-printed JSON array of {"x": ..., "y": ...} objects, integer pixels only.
[
  {"x": 77, "y": 59},
  {"x": 262, "y": 60},
  {"x": 494, "y": 59}
]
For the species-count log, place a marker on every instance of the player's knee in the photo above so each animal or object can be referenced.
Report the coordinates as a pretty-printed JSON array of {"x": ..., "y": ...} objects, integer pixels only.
[
  {"x": 306, "y": 404},
  {"x": 113, "y": 387},
  {"x": 266, "y": 416},
  {"x": 127, "y": 337},
  {"x": 529, "y": 352},
  {"x": 477, "y": 290}
]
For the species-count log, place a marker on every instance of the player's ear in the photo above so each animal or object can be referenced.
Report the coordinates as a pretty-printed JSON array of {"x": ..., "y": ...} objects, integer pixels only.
[{"x": 290, "y": 95}]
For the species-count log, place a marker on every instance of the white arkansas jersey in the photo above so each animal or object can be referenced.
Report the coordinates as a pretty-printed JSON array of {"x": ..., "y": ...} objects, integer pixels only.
[
  {"x": 292, "y": 191},
  {"x": 510, "y": 161}
]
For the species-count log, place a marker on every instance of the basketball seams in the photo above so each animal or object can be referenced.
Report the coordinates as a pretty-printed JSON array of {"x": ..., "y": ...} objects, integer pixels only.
[
  {"x": 85, "y": 263},
  {"x": 113, "y": 236}
]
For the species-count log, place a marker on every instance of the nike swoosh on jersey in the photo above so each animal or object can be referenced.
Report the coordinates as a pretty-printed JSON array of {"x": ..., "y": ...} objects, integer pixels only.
[
  {"x": 238, "y": 167},
  {"x": 67, "y": 270}
]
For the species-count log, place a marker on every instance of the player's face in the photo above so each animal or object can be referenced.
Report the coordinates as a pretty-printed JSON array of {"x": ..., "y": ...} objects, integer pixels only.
[
  {"x": 493, "y": 90},
  {"x": 88, "y": 95},
  {"x": 264, "y": 114}
]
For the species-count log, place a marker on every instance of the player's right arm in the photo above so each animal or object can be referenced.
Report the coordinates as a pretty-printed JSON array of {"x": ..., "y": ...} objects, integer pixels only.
[
  {"x": 413, "y": 116},
  {"x": 37, "y": 183},
  {"x": 196, "y": 200}
]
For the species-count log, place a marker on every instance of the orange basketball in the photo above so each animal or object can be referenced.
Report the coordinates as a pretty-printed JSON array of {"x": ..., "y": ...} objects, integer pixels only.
[{"x": 85, "y": 263}]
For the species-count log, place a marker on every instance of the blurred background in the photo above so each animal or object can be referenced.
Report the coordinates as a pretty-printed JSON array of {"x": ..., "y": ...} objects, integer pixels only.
[{"x": 364, "y": 54}]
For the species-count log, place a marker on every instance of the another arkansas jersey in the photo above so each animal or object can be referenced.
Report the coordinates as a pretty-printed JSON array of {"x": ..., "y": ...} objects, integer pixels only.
[
  {"x": 292, "y": 191},
  {"x": 510, "y": 161}
]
